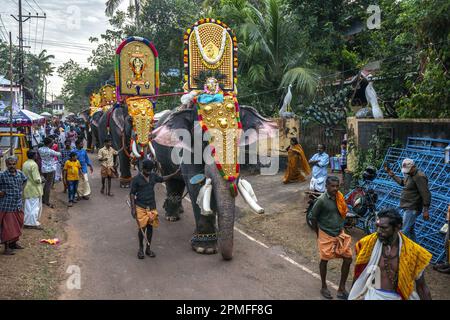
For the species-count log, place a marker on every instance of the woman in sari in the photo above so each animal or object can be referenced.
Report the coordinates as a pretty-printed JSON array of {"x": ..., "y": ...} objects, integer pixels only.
[{"x": 298, "y": 166}]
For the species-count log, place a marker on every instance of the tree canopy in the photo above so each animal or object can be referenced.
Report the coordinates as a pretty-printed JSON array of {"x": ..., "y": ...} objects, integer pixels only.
[{"x": 313, "y": 45}]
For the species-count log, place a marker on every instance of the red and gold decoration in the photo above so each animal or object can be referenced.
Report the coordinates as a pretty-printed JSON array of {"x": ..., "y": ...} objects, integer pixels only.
[
  {"x": 137, "y": 68},
  {"x": 210, "y": 45},
  {"x": 211, "y": 68}
]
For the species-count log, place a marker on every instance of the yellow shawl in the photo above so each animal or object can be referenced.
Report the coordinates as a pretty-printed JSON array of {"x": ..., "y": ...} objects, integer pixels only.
[
  {"x": 304, "y": 162},
  {"x": 413, "y": 260}
]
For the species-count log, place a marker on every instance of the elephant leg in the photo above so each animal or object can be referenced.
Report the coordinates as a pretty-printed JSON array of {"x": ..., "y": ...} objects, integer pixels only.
[
  {"x": 125, "y": 172},
  {"x": 204, "y": 240},
  {"x": 172, "y": 204}
]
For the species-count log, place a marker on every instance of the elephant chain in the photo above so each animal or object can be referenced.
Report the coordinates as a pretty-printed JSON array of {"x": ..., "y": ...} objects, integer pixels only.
[{"x": 204, "y": 237}]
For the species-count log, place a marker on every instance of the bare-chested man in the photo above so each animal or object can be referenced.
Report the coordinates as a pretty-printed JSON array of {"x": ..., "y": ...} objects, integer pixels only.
[{"x": 390, "y": 266}]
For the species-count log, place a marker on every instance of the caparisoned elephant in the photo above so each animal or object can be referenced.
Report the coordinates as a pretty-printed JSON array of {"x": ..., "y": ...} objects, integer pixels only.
[
  {"x": 206, "y": 239},
  {"x": 116, "y": 124}
]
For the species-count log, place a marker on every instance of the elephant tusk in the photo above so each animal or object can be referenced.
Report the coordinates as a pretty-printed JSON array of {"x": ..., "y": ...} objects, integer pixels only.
[
  {"x": 247, "y": 186},
  {"x": 152, "y": 150},
  {"x": 204, "y": 198},
  {"x": 134, "y": 149},
  {"x": 248, "y": 198}
]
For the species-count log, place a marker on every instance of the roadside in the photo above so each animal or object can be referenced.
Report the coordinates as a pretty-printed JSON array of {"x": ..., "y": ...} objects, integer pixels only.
[
  {"x": 36, "y": 271},
  {"x": 284, "y": 225}
]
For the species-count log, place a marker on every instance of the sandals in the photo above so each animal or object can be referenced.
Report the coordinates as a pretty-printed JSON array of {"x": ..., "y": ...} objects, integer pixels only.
[
  {"x": 342, "y": 295},
  {"x": 150, "y": 253},
  {"x": 326, "y": 294}
]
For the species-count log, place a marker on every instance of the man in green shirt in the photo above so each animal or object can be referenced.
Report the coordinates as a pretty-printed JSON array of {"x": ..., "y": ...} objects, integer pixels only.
[
  {"x": 328, "y": 217},
  {"x": 32, "y": 192}
]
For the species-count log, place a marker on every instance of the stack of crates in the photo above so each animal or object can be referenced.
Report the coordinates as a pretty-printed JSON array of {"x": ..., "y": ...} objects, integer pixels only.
[{"x": 428, "y": 155}]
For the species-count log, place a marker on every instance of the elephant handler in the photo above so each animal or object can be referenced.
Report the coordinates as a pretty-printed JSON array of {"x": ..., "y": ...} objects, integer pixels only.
[
  {"x": 106, "y": 157},
  {"x": 328, "y": 217},
  {"x": 143, "y": 204}
]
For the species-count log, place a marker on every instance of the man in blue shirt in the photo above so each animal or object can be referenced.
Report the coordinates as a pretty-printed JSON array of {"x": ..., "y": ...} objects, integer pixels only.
[
  {"x": 84, "y": 189},
  {"x": 319, "y": 163}
]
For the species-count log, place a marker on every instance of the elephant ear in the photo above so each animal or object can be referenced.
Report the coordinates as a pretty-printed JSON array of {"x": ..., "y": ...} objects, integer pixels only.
[
  {"x": 163, "y": 134},
  {"x": 96, "y": 117},
  {"x": 118, "y": 116},
  {"x": 255, "y": 125}
]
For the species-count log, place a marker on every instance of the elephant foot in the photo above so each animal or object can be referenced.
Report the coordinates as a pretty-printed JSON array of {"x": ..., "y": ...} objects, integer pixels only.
[
  {"x": 172, "y": 218},
  {"x": 125, "y": 182},
  {"x": 204, "y": 243}
]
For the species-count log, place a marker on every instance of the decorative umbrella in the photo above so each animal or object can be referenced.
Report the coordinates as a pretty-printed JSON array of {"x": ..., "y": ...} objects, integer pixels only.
[{"x": 21, "y": 117}]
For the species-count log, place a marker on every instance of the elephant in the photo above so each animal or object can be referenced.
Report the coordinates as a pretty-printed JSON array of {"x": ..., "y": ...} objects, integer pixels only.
[
  {"x": 205, "y": 240},
  {"x": 117, "y": 124},
  {"x": 92, "y": 123}
]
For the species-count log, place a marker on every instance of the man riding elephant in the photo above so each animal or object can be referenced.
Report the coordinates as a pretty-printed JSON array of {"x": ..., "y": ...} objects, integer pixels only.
[{"x": 204, "y": 139}]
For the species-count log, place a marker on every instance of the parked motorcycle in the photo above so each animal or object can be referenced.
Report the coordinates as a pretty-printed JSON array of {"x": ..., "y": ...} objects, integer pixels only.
[{"x": 361, "y": 203}]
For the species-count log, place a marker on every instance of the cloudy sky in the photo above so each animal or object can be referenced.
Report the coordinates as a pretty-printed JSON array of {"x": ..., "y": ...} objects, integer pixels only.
[{"x": 68, "y": 26}]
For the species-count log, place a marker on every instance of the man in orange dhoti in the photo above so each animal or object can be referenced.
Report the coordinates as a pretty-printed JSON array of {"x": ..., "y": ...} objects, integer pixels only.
[
  {"x": 298, "y": 166},
  {"x": 143, "y": 204},
  {"x": 328, "y": 217}
]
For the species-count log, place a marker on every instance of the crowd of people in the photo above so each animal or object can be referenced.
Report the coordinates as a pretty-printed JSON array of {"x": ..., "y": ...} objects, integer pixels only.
[
  {"x": 57, "y": 155},
  {"x": 389, "y": 264}
]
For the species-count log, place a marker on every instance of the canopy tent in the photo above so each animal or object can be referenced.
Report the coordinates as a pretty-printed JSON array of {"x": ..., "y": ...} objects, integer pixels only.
[{"x": 21, "y": 117}]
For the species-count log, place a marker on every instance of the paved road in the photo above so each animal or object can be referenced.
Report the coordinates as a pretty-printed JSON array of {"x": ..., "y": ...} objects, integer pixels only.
[{"x": 102, "y": 241}]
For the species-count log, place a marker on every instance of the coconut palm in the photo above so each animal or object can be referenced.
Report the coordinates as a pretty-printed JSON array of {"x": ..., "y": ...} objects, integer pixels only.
[
  {"x": 268, "y": 52},
  {"x": 112, "y": 5}
]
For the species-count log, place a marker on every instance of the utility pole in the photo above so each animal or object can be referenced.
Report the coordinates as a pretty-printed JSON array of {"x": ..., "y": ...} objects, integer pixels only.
[
  {"x": 21, "y": 19},
  {"x": 11, "y": 149}
]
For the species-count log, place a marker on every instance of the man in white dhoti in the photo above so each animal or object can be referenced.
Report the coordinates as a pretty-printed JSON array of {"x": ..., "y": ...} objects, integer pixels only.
[
  {"x": 319, "y": 163},
  {"x": 389, "y": 266},
  {"x": 33, "y": 192}
]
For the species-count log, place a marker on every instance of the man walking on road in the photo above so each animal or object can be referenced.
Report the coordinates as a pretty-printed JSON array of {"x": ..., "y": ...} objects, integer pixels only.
[
  {"x": 106, "y": 157},
  {"x": 48, "y": 168},
  {"x": 381, "y": 272},
  {"x": 143, "y": 204},
  {"x": 32, "y": 192},
  {"x": 328, "y": 216},
  {"x": 415, "y": 197},
  {"x": 12, "y": 182},
  {"x": 84, "y": 189}
]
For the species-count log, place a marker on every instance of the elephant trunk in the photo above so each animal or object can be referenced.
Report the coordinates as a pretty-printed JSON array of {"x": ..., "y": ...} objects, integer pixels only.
[{"x": 225, "y": 206}]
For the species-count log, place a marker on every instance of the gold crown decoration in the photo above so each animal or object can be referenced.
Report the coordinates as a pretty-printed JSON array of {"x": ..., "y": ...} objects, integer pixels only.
[
  {"x": 108, "y": 95},
  {"x": 137, "y": 68},
  {"x": 141, "y": 110},
  {"x": 210, "y": 45}
]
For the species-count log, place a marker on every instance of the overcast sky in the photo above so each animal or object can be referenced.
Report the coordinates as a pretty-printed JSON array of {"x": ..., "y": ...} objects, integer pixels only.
[{"x": 68, "y": 26}]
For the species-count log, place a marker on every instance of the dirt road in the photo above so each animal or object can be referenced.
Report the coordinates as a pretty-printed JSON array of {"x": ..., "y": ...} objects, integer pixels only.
[{"x": 102, "y": 243}]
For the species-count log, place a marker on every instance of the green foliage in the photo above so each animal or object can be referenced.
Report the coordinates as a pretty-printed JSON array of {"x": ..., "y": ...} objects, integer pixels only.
[{"x": 374, "y": 156}]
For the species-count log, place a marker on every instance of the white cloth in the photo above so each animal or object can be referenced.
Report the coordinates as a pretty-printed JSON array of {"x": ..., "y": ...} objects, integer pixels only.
[
  {"x": 58, "y": 172},
  {"x": 367, "y": 287},
  {"x": 317, "y": 184},
  {"x": 32, "y": 211},
  {"x": 319, "y": 172},
  {"x": 84, "y": 189}
]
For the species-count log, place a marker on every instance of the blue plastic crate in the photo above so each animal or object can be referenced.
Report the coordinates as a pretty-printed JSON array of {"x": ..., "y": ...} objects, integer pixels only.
[{"x": 430, "y": 160}]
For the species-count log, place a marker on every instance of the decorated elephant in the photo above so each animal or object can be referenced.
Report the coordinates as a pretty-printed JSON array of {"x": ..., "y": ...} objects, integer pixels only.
[
  {"x": 91, "y": 124},
  {"x": 222, "y": 203}
]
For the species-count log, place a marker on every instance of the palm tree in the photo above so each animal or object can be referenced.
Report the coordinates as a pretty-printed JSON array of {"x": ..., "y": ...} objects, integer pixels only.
[
  {"x": 112, "y": 5},
  {"x": 268, "y": 51}
]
